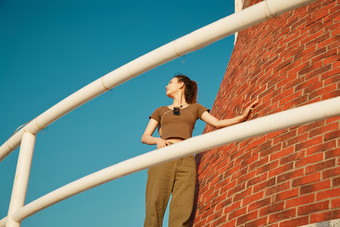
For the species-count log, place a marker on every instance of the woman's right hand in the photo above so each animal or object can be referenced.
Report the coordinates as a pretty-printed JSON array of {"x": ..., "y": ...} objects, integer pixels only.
[
  {"x": 147, "y": 137},
  {"x": 162, "y": 143}
]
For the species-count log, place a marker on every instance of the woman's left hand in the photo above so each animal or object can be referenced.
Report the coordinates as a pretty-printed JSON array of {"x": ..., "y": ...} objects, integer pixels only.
[{"x": 249, "y": 109}]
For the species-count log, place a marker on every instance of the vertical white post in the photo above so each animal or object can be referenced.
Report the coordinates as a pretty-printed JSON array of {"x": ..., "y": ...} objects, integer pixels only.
[
  {"x": 238, "y": 8},
  {"x": 21, "y": 177}
]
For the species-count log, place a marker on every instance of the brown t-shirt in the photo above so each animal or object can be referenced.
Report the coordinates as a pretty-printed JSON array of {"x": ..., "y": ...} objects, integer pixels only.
[{"x": 178, "y": 126}]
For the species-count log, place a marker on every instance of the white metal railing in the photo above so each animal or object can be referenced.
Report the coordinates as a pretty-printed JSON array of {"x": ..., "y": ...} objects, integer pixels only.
[
  {"x": 197, "y": 144},
  {"x": 186, "y": 44}
]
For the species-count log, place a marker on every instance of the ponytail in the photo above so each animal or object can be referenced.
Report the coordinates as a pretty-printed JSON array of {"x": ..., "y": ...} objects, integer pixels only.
[{"x": 190, "y": 89}]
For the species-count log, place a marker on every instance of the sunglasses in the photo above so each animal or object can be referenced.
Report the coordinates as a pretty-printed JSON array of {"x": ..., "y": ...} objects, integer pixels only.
[{"x": 177, "y": 111}]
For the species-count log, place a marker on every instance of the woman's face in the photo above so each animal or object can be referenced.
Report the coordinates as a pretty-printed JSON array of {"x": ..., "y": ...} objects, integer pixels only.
[{"x": 173, "y": 87}]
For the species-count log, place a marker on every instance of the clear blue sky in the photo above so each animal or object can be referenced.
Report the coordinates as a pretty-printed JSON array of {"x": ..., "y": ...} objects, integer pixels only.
[{"x": 50, "y": 49}]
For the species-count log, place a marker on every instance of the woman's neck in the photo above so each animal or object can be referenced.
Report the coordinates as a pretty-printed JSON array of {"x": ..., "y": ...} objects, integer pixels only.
[{"x": 179, "y": 100}]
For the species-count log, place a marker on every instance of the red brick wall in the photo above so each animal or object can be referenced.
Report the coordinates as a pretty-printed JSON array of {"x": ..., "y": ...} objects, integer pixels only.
[{"x": 285, "y": 178}]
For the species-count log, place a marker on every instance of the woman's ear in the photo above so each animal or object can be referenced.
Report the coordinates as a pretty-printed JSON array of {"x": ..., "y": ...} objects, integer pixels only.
[{"x": 181, "y": 84}]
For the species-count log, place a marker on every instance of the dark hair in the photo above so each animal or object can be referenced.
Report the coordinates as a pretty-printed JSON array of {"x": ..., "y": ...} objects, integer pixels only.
[{"x": 190, "y": 89}]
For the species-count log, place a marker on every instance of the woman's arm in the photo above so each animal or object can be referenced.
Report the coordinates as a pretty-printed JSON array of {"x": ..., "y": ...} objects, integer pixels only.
[
  {"x": 211, "y": 120},
  {"x": 147, "y": 137}
]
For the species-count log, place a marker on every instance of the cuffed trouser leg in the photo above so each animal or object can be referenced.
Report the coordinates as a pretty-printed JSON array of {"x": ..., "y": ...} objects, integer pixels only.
[{"x": 178, "y": 177}]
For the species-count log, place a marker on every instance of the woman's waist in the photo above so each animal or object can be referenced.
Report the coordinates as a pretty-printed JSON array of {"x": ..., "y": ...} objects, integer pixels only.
[{"x": 174, "y": 140}]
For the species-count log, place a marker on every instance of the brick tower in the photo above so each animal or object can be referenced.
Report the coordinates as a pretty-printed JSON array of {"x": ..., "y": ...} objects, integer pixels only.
[{"x": 285, "y": 178}]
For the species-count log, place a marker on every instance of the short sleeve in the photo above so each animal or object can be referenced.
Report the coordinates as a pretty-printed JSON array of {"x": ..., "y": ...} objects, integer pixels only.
[
  {"x": 156, "y": 115},
  {"x": 200, "y": 110}
]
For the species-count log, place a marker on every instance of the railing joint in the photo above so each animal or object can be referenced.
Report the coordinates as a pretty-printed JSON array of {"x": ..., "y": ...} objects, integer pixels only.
[{"x": 102, "y": 80}]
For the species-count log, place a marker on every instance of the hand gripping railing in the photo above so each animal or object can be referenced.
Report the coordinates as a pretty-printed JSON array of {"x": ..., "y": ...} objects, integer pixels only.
[{"x": 186, "y": 44}]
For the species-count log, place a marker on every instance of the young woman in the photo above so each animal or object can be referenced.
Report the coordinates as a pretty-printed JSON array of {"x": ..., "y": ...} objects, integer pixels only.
[{"x": 175, "y": 123}]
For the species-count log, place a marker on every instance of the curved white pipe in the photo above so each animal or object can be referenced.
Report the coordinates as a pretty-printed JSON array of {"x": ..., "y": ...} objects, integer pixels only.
[
  {"x": 242, "y": 131},
  {"x": 186, "y": 44}
]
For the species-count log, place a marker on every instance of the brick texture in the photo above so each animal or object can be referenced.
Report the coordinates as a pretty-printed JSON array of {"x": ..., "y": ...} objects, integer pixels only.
[{"x": 289, "y": 177}]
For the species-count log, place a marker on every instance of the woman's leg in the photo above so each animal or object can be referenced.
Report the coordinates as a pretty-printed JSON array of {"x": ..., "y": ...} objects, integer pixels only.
[
  {"x": 183, "y": 192},
  {"x": 158, "y": 190}
]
